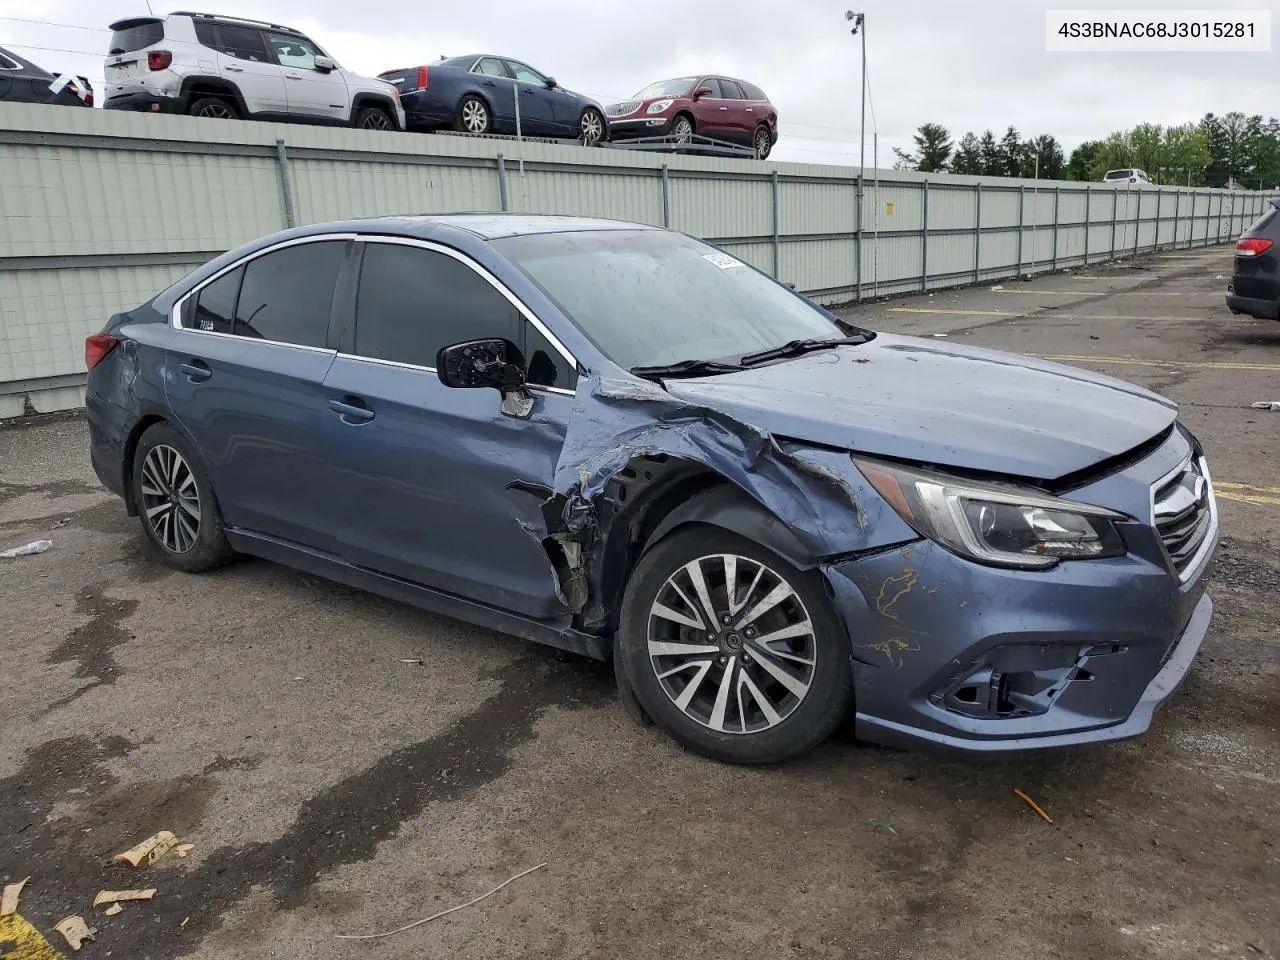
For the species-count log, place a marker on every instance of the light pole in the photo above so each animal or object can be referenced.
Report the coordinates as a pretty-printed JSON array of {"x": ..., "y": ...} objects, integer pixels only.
[{"x": 859, "y": 28}]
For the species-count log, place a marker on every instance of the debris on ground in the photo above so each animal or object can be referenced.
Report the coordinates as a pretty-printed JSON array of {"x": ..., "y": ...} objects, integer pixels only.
[
  {"x": 940, "y": 335},
  {"x": 150, "y": 849},
  {"x": 115, "y": 896},
  {"x": 1034, "y": 806},
  {"x": 883, "y": 826},
  {"x": 183, "y": 849},
  {"x": 1266, "y": 405},
  {"x": 437, "y": 916},
  {"x": 75, "y": 930},
  {"x": 997, "y": 288},
  {"x": 9, "y": 899},
  {"x": 112, "y": 910},
  {"x": 413, "y": 660},
  {"x": 36, "y": 546},
  {"x": 58, "y": 525}
]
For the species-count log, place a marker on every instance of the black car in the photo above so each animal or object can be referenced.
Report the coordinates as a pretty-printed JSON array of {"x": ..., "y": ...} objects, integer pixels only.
[
  {"x": 1255, "y": 282},
  {"x": 21, "y": 81}
]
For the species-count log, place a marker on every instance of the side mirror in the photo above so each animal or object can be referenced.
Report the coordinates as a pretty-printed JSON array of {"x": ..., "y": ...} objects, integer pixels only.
[
  {"x": 788, "y": 284},
  {"x": 701, "y": 92},
  {"x": 551, "y": 83},
  {"x": 494, "y": 363},
  {"x": 325, "y": 65}
]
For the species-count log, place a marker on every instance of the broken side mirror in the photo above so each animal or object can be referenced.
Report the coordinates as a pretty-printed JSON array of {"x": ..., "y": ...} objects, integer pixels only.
[
  {"x": 495, "y": 363},
  {"x": 325, "y": 65}
]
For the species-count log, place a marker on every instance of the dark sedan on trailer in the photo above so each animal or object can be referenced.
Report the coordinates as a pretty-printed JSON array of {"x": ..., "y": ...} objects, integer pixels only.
[
  {"x": 720, "y": 108},
  {"x": 484, "y": 94},
  {"x": 621, "y": 441},
  {"x": 21, "y": 81}
]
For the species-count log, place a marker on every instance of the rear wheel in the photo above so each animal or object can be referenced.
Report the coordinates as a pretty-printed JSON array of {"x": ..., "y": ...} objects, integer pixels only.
[
  {"x": 214, "y": 108},
  {"x": 731, "y": 650},
  {"x": 762, "y": 141},
  {"x": 591, "y": 127},
  {"x": 473, "y": 116},
  {"x": 374, "y": 118},
  {"x": 681, "y": 129},
  {"x": 175, "y": 502}
]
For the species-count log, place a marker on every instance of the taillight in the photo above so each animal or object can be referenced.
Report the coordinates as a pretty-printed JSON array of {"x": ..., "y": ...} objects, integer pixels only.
[
  {"x": 422, "y": 79},
  {"x": 159, "y": 59},
  {"x": 96, "y": 347},
  {"x": 1252, "y": 246}
]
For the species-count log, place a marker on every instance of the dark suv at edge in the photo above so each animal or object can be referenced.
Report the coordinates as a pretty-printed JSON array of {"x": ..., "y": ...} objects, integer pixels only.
[{"x": 1255, "y": 282}]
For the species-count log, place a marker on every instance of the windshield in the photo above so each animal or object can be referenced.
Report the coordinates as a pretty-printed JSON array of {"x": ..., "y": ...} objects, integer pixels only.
[
  {"x": 649, "y": 297},
  {"x": 667, "y": 88}
]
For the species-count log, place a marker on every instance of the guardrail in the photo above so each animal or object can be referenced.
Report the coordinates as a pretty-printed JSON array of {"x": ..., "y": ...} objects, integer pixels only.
[{"x": 100, "y": 210}]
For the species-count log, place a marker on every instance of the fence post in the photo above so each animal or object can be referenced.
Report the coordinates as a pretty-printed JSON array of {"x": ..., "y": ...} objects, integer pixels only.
[
  {"x": 286, "y": 183},
  {"x": 666, "y": 197},
  {"x": 977, "y": 237},
  {"x": 1159, "y": 204},
  {"x": 1115, "y": 219},
  {"x": 1088, "y": 200},
  {"x": 857, "y": 248},
  {"x": 924, "y": 240},
  {"x": 1022, "y": 197},
  {"x": 775, "y": 224},
  {"x": 1137, "y": 224},
  {"x": 502, "y": 182},
  {"x": 1177, "y": 217},
  {"x": 1053, "y": 257}
]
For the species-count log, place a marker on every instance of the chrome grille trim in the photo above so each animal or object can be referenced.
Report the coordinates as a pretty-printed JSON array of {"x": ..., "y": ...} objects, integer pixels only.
[
  {"x": 622, "y": 109},
  {"x": 1184, "y": 513}
]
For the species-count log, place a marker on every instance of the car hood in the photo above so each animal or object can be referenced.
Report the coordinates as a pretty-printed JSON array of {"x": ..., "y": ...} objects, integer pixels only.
[{"x": 945, "y": 404}]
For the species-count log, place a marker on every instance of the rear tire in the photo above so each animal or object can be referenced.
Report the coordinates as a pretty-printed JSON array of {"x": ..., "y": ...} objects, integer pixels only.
[
  {"x": 374, "y": 118},
  {"x": 474, "y": 116},
  {"x": 175, "y": 502},
  {"x": 762, "y": 141},
  {"x": 798, "y": 685},
  {"x": 214, "y": 108}
]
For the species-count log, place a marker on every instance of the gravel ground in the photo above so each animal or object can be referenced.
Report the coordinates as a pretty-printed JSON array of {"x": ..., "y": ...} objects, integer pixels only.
[{"x": 330, "y": 788}]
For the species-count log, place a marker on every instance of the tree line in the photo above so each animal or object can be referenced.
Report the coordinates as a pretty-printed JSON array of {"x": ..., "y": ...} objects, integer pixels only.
[{"x": 1218, "y": 151}]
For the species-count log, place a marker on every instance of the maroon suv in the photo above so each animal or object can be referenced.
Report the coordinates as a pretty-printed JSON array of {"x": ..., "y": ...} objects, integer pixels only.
[{"x": 717, "y": 107}]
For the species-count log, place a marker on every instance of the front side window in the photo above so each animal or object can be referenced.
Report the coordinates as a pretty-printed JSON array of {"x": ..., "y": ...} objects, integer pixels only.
[
  {"x": 649, "y": 297},
  {"x": 712, "y": 84},
  {"x": 293, "y": 51},
  {"x": 411, "y": 302},
  {"x": 213, "y": 308},
  {"x": 287, "y": 295},
  {"x": 525, "y": 74}
]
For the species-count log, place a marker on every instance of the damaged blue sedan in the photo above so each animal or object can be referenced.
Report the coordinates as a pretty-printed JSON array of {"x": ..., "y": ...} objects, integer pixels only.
[{"x": 623, "y": 442}]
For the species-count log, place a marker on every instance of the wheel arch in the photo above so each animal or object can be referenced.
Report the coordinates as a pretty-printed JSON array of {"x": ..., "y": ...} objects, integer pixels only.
[
  {"x": 145, "y": 423},
  {"x": 384, "y": 103},
  {"x": 201, "y": 86}
]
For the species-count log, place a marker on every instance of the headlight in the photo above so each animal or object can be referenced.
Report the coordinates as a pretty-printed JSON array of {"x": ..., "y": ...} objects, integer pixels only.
[
  {"x": 659, "y": 105},
  {"x": 1000, "y": 524}
]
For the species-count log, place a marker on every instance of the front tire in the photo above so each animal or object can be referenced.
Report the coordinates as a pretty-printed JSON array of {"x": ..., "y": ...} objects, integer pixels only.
[
  {"x": 681, "y": 129},
  {"x": 474, "y": 116},
  {"x": 374, "y": 118},
  {"x": 175, "y": 502},
  {"x": 762, "y": 677},
  {"x": 591, "y": 127}
]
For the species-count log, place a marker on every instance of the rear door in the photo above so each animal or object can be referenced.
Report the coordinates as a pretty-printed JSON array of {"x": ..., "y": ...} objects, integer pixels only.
[
  {"x": 245, "y": 377},
  {"x": 427, "y": 473},
  {"x": 537, "y": 108},
  {"x": 497, "y": 84},
  {"x": 312, "y": 94},
  {"x": 244, "y": 60}
]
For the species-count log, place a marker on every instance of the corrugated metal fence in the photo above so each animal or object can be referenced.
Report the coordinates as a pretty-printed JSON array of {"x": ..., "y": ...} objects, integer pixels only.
[{"x": 98, "y": 211}]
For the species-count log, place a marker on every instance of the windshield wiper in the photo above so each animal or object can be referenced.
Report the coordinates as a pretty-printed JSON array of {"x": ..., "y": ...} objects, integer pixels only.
[
  {"x": 795, "y": 348},
  {"x": 685, "y": 368}
]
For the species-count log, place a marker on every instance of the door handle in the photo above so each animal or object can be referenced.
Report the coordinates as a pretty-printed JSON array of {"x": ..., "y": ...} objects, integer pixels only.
[
  {"x": 751, "y": 109},
  {"x": 724, "y": 108},
  {"x": 351, "y": 411},
  {"x": 293, "y": 76},
  {"x": 232, "y": 68},
  {"x": 197, "y": 371}
]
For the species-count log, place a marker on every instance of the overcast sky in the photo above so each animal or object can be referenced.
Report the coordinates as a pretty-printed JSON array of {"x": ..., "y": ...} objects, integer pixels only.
[{"x": 968, "y": 66}]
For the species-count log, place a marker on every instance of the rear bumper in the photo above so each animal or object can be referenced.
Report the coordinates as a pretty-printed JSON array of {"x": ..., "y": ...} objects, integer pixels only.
[
  {"x": 1255, "y": 288},
  {"x": 1254, "y": 307},
  {"x": 143, "y": 102}
]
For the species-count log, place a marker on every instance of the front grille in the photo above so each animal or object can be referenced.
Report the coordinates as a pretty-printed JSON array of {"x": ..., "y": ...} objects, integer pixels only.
[
  {"x": 1184, "y": 514},
  {"x": 622, "y": 109}
]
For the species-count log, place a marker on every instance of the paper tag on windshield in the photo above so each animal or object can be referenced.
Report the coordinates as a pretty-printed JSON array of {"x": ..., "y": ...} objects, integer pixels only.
[{"x": 722, "y": 260}]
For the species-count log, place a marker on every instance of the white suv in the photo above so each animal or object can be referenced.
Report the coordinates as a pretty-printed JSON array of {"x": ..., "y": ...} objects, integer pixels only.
[
  {"x": 1125, "y": 176},
  {"x": 212, "y": 66}
]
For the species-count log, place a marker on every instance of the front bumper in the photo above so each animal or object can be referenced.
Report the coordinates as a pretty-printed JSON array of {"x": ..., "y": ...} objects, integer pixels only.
[
  {"x": 952, "y": 656},
  {"x": 634, "y": 127}
]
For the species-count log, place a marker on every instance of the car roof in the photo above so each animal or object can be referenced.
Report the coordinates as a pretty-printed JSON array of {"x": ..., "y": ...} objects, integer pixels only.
[{"x": 495, "y": 226}]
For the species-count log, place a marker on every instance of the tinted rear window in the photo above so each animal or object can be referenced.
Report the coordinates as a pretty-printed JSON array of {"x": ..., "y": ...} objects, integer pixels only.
[
  {"x": 7, "y": 64},
  {"x": 287, "y": 295},
  {"x": 1262, "y": 222},
  {"x": 136, "y": 36}
]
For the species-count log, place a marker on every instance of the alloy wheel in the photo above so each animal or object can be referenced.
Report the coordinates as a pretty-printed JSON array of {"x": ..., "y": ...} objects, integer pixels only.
[
  {"x": 475, "y": 117},
  {"x": 592, "y": 128},
  {"x": 216, "y": 111},
  {"x": 376, "y": 121},
  {"x": 732, "y": 644},
  {"x": 682, "y": 129},
  {"x": 170, "y": 499},
  {"x": 762, "y": 143}
]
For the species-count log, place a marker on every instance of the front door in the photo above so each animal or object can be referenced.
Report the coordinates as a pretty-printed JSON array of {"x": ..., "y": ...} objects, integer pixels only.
[
  {"x": 311, "y": 93},
  {"x": 537, "y": 106},
  {"x": 429, "y": 475},
  {"x": 711, "y": 111},
  {"x": 245, "y": 377}
]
